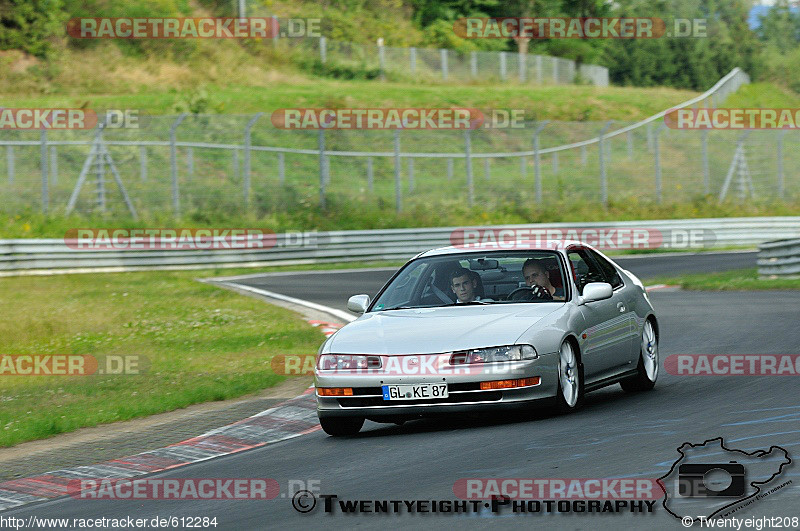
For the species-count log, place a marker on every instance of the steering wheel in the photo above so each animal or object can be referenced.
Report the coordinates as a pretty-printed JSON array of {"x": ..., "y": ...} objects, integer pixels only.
[{"x": 530, "y": 293}]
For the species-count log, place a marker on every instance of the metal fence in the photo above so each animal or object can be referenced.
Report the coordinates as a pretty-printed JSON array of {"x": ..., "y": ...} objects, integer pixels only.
[
  {"x": 204, "y": 164},
  {"x": 436, "y": 63},
  {"x": 48, "y": 256},
  {"x": 450, "y": 64}
]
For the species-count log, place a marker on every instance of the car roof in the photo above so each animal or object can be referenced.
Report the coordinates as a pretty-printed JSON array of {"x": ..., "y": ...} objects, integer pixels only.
[{"x": 521, "y": 245}]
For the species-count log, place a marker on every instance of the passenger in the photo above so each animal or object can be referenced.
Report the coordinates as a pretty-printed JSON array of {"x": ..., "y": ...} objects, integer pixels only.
[
  {"x": 463, "y": 284},
  {"x": 535, "y": 274}
]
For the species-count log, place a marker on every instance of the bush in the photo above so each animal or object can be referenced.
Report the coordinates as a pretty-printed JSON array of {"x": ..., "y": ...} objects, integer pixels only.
[{"x": 31, "y": 25}]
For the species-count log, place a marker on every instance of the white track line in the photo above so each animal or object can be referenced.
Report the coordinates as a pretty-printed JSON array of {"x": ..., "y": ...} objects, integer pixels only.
[{"x": 339, "y": 314}]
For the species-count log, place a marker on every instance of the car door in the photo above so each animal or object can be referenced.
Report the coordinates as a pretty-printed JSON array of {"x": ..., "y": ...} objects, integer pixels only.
[
  {"x": 626, "y": 304},
  {"x": 606, "y": 334}
]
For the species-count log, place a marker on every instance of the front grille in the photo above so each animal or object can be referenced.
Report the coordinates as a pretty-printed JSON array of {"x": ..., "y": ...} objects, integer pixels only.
[{"x": 482, "y": 396}]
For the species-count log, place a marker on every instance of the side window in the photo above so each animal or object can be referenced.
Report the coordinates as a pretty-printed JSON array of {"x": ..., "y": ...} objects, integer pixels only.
[
  {"x": 584, "y": 269},
  {"x": 609, "y": 271}
]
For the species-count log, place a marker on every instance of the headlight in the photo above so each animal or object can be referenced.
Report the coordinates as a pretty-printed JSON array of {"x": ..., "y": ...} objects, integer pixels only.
[
  {"x": 490, "y": 355},
  {"x": 332, "y": 362}
]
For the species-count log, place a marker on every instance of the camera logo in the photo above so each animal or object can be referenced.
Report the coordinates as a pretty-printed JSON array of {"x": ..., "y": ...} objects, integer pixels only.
[
  {"x": 710, "y": 480},
  {"x": 724, "y": 479}
]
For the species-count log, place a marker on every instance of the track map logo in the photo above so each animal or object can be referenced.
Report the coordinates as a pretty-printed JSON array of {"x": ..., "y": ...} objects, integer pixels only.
[{"x": 710, "y": 480}]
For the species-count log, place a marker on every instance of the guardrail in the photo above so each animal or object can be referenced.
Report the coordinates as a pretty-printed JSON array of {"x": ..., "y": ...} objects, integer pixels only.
[
  {"x": 52, "y": 256},
  {"x": 779, "y": 258}
]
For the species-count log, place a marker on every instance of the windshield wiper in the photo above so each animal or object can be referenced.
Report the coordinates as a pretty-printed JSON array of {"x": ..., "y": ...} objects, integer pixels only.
[{"x": 470, "y": 302}]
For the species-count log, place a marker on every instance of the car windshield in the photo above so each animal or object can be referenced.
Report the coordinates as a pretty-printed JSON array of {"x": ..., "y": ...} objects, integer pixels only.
[{"x": 475, "y": 278}]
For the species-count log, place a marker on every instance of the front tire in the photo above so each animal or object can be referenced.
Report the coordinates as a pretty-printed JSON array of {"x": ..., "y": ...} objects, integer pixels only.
[
  {"x": 341, "y": 426},
  {"x": 569, "y": 395},
  {"x": 647, "y": 369}
]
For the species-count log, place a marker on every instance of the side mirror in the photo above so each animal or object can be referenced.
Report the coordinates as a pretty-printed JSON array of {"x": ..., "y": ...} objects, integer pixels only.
[
  {"x": 597, "y": 291},
  {"x": 359, "y": 303}
]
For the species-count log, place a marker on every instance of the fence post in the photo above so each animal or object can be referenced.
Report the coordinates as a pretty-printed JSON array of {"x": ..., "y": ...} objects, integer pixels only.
[
  {"x": 521, "y": 66},
  {"x": 412, "y": 60},
  {"x": 780, "y": 163},
  {"x": 323, "y": 180},
  {"x": 242, "y": 8},
  {"x": 503, "y": 66},
  {"x": 539, "y": 69},
  {"x": 410, "y": 175},
  {"x": 10, "y": 163},
  {"x": 370, "y": 176},
  {"x": 100, "y": 171},
  {"x": 555, "y": 69},
  {"x": 142, "y": 163},
  {"x": 247, "y": 144},
  {"x": 281, "y": 168},
  {"x": 706, "y": 171},
  {"x": 473, "y": 64},
  {"x": 584, "y": 158},
  {"x": 443, "y": 54},
  {"x": 555, "y": 161},
  {"x": 323, "y": 51},
  {"x": 45, "y": 189},
  {"x": 382, "y": 59},
  {"x": 657, "y": 159},
  {"x": 173, "y": 164},
  {"x": 190, "y": 161},
  {"x": 235, "y": 162},
  {"x": 486, "y": 170},
  {"x": 53, "y": 165},
  {"x": 629, "y": 136},
  {"x": 537, "y": 162},
  {"x": 523, "y": 167},
  {"x": 449, "y": 169},
  {"x": 601, "y": 150},
  {"x": 649, "y": 130},
  {"x": 468, "y": 161},
  {"x": 398, "y": 191}
]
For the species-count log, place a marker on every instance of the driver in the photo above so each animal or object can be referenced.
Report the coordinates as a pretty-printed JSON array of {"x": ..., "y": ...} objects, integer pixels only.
[
  {"x": 535, "y": 274},
  {"x": 463, "y": 285}
]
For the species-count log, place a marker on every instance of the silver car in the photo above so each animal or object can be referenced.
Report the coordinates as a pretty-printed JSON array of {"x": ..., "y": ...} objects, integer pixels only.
[{"x": 477, "y": 327}]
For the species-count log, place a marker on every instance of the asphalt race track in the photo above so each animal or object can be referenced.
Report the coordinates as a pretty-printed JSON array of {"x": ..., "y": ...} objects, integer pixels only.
[
  {"x": 333, "y": 289},
  {"x": 614, "y": 435}
]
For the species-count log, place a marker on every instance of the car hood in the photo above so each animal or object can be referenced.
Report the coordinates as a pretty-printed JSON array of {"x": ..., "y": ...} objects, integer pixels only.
[{"x": 434, "y": 330}]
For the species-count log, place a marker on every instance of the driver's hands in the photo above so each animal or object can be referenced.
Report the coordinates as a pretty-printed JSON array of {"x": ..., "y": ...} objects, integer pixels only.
[{"x": 541, "y": 293}]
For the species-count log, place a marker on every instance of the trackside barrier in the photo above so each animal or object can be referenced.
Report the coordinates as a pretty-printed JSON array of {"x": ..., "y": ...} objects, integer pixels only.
[
  {"x": 45, "y": 256},
  {"x": 779, "y": 258}
]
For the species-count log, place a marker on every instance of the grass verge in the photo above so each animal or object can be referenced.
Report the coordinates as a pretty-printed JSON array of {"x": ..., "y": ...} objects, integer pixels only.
[
  {"x": 202, "y": 344},
  {"x": 738, "y": 279}
]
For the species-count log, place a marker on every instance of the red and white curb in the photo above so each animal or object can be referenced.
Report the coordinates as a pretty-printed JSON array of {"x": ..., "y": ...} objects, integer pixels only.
[
  {"x": 287, "y": 420},
  {"x": 657, "y": 287}
]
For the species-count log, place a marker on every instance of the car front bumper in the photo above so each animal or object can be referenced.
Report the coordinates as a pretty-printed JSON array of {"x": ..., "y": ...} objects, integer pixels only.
[{"x": 464, "y": 394}]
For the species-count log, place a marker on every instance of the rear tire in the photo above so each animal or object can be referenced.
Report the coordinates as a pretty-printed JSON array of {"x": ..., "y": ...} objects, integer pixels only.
[
  {"x": 569, "y": 395},
  {"x": 341, "y": 426},
  {"x": 647, "y": 368}
]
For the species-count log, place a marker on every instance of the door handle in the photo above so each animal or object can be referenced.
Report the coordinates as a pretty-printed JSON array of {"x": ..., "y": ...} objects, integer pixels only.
[{"x": 621, "y": 306}]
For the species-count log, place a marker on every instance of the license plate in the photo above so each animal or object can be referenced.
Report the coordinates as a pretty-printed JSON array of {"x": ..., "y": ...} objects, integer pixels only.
[{"x": 414, "y": 391}]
